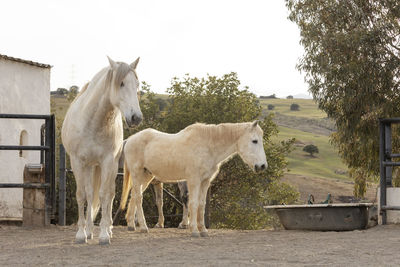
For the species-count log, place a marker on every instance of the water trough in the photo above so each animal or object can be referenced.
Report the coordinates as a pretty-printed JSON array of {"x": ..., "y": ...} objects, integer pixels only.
[{"x": 323, "y": 217}]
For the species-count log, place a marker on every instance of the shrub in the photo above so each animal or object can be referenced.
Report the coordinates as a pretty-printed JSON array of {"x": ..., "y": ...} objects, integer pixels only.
[
  {"x": 271, "y": 107},
  {"x": 294, "y": 107}
]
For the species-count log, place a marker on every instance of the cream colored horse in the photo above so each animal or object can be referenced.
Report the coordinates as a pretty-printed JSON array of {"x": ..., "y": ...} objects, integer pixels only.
[
  {"x": 92, "y": 134},
  {"x": 195, "y": 154}
]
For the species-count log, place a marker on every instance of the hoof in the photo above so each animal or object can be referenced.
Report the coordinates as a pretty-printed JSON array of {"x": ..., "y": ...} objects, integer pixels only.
[
  {"x": 80, "y": 240},
  {"x": 130, "y": 228},
  {"x": 195, "y": 234},
  {"x": 145, "y": 231},
  {"x": 204, "y": 234},
  {"x": 90, "y": 236},
  {"x": 181, "y": 226},
  {"x": 159, "y": 226},
  {"x": 104, "y": 241}
]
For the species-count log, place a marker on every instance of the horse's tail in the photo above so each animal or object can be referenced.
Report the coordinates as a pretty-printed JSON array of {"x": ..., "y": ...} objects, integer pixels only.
[
  {"x": 127, "y": 185},
  {"x": 96, "y": 189}
]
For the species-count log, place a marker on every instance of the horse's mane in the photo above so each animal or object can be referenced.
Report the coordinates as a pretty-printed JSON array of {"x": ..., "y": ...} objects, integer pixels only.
[
  {"x": 120, "y": 73},
  {"x": 81, "y": 92},
  {"x": 224, "y": 132}
]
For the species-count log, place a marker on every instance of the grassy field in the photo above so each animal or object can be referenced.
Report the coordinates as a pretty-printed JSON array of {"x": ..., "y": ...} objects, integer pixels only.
[
  {"x": 325, "y": 164},
  {"x": 308, "y": 108}
]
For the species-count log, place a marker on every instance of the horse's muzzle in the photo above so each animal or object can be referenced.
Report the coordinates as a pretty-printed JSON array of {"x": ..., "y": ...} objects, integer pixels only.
[
  {"x": 134, "y": 120},
  {"x": 260, "y": 168}
]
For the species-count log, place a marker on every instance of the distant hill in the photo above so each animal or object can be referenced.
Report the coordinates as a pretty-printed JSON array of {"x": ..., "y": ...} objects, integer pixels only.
[{"x": 304, "y": 96}]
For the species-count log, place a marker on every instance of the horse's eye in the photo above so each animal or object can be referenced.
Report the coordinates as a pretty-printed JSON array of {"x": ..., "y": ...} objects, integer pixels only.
[
  {"x": 122, "y": 84},
  {"x": 255, "y": 141}
]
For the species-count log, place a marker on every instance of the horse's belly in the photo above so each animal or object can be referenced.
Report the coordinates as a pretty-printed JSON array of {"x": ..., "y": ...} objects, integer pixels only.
[{"x": 168, "y": 172}]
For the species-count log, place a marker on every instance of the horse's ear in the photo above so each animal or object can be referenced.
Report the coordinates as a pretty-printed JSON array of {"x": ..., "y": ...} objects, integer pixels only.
[
  {"x": 255, "y": 123},
  {"x": 134, "y": 64},
  {"x": 112, "y": 63}
]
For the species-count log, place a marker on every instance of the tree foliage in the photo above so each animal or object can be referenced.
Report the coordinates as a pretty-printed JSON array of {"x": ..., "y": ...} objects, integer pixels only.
[
  {"x": 311, "y": 149},
  {"x": 352, "y": 65},
  {"x": 294, "y": 107}
]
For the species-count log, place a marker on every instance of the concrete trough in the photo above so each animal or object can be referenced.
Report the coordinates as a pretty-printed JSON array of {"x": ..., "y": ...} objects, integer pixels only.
[{"x": 323, "y": 217}]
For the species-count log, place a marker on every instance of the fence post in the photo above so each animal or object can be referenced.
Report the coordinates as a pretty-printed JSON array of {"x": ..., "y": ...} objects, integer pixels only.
[
  {"x": 61, "y": 188},
  {"x": 207, "y": 221}
]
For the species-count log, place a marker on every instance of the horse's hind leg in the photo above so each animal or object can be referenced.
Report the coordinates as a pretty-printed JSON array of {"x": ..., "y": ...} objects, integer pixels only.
[
  {"x": 184, "y": 196},
  {"x": 158, "y": 189},
  {"x": 140, "y": 182}
]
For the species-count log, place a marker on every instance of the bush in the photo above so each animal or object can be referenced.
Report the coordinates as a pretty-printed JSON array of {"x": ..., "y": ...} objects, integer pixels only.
[
  {"x": 289, "y": 97},
  {"x": 271, "y": 107},
  {"x": 311, "y": 149},
  {"x": 294, "y": 107}
]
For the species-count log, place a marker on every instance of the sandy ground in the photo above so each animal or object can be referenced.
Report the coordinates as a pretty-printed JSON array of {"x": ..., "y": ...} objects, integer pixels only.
[{"x": 378, "y": 246}]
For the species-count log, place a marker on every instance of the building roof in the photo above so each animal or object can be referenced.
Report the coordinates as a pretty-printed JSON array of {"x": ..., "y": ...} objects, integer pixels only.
[{"x": 32, "y": 63}]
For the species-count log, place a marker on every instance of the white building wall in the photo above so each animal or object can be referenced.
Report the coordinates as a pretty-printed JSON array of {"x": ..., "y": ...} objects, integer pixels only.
[{"x": 24, "y": 89}]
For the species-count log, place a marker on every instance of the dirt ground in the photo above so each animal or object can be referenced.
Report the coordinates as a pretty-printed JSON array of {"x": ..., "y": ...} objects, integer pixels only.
[{"x": 55, "y": 246}]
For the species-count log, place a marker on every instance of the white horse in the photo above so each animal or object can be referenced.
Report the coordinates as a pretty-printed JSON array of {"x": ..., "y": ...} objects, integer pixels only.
[
  {"x": 92, "y": 134},
  {"x": 195, "y": 154}
]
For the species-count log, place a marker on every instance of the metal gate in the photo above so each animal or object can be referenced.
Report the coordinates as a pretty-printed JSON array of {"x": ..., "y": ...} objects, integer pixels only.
[
  {"x": 47, "y": 148},
  {"x": 386, "y": 163}
]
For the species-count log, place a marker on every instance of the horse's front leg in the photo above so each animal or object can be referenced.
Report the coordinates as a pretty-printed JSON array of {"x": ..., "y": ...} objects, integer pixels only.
[
  {"x": 130, "y": 214},
  {"x": 194, "y": 190},
  {"x": 107, "y": 193},
  {"x": 202, "y": 204},
  {"x": 81, "y": 173},
  {"x": 91, "y": 192},
  {"x": 158, "y": 189}
]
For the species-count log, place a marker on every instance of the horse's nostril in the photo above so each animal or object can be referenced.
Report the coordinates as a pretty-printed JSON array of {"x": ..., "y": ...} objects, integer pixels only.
[
  {"x": 136, "y": 119},
  {"x": 263, "y": 167}
]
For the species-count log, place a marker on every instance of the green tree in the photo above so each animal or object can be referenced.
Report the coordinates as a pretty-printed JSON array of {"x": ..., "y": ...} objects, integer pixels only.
[
  {"x": 352, "y": 65},
  {"x": 312, "y": 149},
  {"x": 72, "y": 93},
  {"x": 237, "y": 194}
]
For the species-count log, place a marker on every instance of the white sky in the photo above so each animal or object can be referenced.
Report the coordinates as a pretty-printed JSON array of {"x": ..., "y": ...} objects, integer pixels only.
[{"x": 253, "y": 38}]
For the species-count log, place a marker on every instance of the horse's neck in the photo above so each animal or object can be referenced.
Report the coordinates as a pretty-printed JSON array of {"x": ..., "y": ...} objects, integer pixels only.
[
  {"x": 97, "y": 106},
  {"x": 225, "y": 145}
]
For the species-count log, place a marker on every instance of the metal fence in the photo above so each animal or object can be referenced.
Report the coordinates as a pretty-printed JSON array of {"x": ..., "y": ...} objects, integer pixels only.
[{"x": 47, "y": 148}]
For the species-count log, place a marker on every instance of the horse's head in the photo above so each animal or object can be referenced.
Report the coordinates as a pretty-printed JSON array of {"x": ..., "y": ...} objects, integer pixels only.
[
  {"x": 124, "y": 90},
  {"x": 251, "y": 148}
]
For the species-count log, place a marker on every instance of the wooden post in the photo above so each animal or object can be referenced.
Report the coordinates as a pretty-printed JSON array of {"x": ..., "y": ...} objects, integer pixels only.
[
  {"x": 62, "y": 188},
  {"x": 34, "y": 202}
]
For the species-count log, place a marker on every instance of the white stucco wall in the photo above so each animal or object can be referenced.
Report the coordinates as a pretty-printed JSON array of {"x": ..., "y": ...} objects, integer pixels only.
[{"x": 24, "y": 89}]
